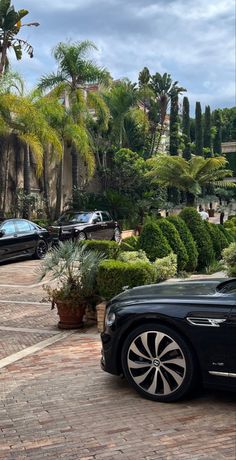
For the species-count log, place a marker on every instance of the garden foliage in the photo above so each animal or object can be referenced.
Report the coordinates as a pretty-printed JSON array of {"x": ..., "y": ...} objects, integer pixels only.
[
  {"x": 175, "y": 242},
  {"x": 166, "y": 267},
  {"x": 188, "y": 241},
  {"x": 229, "y": 259},
  {"x": 153, "y": 242},
  {"x": 218, "y": 239}
]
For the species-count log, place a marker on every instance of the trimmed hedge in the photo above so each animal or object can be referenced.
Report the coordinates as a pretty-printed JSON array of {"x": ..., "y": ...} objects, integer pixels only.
[
  {"x": 229, "y": 258},
  {"x": 132, "y": 241},
  {"x": 206, "y": 255},
  {"x": 109, "y": 248},
  {"x": 153, "y": 242},
  {"x": 133, "y": 256},
  {"x": 226, "y": 233},
  {"x": 188, "y": 241},
  {"x": 175, "y": 242},
  {"x": 166, "y": 267},
  {"x": 218, "y": 239},
  {"x": 114, "y": 275}
]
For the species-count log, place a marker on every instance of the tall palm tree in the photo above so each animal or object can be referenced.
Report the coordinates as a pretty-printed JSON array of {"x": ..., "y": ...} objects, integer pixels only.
[
  {"x": 164, "y": 89},
  {"x": 24, "y": 119},
  {"x": 10, "y": 26},
  {"x": 189, "y": 176},
  {"x": 75, "y": 71}
]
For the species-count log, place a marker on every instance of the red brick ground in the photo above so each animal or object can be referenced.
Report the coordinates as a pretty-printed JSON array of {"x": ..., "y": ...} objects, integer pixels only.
[{"x": 58, "y": 404}]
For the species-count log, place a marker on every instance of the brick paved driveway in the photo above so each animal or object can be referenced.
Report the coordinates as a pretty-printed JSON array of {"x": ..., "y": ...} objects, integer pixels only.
[{"x": 56, "y": 403}]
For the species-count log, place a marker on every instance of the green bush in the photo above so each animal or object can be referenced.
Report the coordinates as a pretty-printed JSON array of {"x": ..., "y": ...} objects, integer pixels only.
[
  {"x": 218, "y": 239},
  {"x": 166, "y": 267},
  {"x": 41, "y": 222},
  {"x": 188, "y": 241},
  {"x": 227, "y": 233},
  {"x": 133, "y": 256},
  {"x": 132, "y": 241},
  {"x": 153, "y": 242},
  {"x": 175, "y": 242},
  {"x": 114, "y": 275},
  {"x": 200, "y": 235},
  {"x": 229, "y": 259},
  {"x": 109, "y": 248}
]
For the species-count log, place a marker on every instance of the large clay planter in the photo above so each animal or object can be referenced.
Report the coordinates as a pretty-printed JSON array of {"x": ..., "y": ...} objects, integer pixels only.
[{"x": 71, "y": 315}]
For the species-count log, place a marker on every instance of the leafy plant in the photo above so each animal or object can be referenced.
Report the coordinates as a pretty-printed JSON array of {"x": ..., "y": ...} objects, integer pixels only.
[
  {"x": 133, "y": 256},
  {"x": 229, "y": 259},
  {"x": 175, "y": 242},
  {"x": 153, "y": 242},
  {"x": 110, "y": 249},
  {"x": 188, "y": 241},
  {"x": 74, "y": 268},
  {"x": 165, "y": 267}
]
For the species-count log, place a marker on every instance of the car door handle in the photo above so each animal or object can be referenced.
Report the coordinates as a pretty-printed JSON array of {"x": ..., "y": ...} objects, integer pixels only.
[{"x": 104, "y": 225}]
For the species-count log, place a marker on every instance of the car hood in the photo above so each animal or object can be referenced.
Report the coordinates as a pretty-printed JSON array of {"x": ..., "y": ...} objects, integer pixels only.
[{"x": 169, "y": 289}]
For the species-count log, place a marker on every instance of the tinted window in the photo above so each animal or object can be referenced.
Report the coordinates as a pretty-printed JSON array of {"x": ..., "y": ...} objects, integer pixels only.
[
  {"x": 9, "y": 228},
  {"x": 106, "y": 217},
  {"x": 75, "y": 218},
  {"x": 227, "y": 287},
  {"x": 23, "y": 226}
]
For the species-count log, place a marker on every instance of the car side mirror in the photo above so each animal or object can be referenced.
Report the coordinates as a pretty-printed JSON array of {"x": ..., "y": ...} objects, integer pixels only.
[{"x": 2, "y": 233}]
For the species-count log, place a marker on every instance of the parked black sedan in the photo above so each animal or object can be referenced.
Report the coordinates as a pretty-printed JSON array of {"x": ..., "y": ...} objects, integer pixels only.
[
  {"x": 166, "y": 337},
  {"x": 81, "y": 225},
  {"x": 20, "y": 237}
]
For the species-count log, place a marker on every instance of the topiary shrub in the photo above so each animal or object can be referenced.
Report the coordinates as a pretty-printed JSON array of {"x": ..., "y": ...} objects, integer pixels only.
[
  {"x": 153, "y": 242},
  {"x": 226, "y": 233},
  {"x": 132, "y": 241},
  {"x": 133, "y": 256},
  {"x": 200, "y": 235},
  {"x": 175, "y": 242},
  {"x": 218, "y": 239},
  {"x": 109, "y": 248},
  {"x": 166, "y": 267},
  {"x": 188, "y": 241},
  {"x": 229, "y": 259},
  {"x": 114, "y": 275}
]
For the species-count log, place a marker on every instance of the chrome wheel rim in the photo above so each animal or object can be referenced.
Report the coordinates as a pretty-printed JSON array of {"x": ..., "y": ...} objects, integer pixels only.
[
  {"x": 156, "y": 363},
  {"x": 117, "y": 235},
  {"x": 42, "y": 249},
  {"x": 81, "y": 237}
]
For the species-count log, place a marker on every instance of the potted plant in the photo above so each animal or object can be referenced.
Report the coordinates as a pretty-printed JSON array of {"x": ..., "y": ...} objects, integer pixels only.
[{"x": 73, "y": 269}]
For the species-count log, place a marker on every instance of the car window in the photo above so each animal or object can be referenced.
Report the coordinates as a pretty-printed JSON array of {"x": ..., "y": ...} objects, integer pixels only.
[
  {"x": 97, "y": 216},
  {"x": 227, "y": 287},
  {"x": 9, "y": 228},
  {"x": 106, "y": 217},
  {"x": 75, "y": 218},
  {"x": 23, "y": 226}
]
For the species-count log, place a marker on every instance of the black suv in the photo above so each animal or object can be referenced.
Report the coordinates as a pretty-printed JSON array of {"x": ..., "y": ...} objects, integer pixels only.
[{"x": 82, "y": 225}]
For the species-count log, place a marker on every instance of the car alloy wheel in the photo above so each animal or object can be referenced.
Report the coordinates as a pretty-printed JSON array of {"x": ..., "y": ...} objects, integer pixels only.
[
  {"x": 117, "y": 235},
  {"x": 157, "y": 363},
  {"x": 81, "y": 236},
  {"x": 41, "y": 249}
]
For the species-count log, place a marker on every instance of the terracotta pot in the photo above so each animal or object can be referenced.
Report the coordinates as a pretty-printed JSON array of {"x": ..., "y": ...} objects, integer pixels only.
[
  {"x": 211, "y": 212},
  {"x": 71, "y": 315}
]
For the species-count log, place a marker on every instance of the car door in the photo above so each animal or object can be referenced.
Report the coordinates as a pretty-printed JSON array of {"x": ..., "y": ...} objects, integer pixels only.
[
  {"x": 8, "y": 240},
  {"x": 107, "y": 226},
  {"x": 27, "y": 236},
  {"x": 95, "y": 229}
]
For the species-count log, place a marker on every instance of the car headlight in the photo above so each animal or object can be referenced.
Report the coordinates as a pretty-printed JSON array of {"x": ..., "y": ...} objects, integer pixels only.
[{"x": 109, "y": 318}]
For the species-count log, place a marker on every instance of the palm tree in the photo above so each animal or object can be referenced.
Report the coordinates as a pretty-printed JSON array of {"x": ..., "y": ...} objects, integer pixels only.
[
  {"x": 163, "y": 88},
  {"x": 10, "y": 26},
  {"x": 190, "y": 176},
  {"x": 75, "y": 71},
  {"x": 22, "y": 118}
]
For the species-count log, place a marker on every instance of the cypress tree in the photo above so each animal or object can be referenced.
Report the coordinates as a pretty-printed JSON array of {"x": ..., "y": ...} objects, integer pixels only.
[
  {"x": 174, "y": 125},
  {"x": 198, "y": 129},
  {"x": 207, "y": 141},
  {"x": 186, "y": 129},
  {"x": 217, "y": 148}
]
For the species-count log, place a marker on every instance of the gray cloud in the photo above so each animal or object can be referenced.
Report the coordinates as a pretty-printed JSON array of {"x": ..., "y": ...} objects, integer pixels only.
[{"x": 193, "y": 41}]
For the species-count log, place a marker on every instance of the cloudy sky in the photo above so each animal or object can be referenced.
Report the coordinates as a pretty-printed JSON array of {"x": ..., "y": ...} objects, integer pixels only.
[{"x": 192, "y": 40}]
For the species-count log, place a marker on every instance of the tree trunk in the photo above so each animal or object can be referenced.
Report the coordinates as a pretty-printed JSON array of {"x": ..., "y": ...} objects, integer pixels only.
[
  {"x": 46, "y": 183},
  {"x": 6, "y": 174},
  {"x": 60, "y": 187},
  {"x": 27, "y": 188},
  {"x": 2, "y": 169},
  {"x": 190, "y": 199},
  {"x": 74, "y": 169}
]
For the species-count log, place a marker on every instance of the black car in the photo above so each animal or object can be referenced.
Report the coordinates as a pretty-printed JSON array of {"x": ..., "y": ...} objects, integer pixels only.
[
  {"x": 20, "y": 237},
  {"x": 83, "y": 225},
  {"x": 164, "y": 338}
]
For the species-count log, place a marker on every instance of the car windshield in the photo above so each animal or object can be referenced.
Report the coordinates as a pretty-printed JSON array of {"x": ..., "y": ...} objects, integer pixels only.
[
  {"x": 227, "y": 287},
  {"x": 75, "y": 218}
]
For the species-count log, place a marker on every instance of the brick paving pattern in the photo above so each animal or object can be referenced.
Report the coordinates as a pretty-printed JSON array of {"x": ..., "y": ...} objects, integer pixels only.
[{"x": 58, "y": 404}]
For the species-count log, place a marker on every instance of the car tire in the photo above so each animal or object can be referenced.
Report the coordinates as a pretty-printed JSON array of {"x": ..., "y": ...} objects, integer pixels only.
[
  {"x": 158, "y": 363},
  {"x": 41, "y": 249},
  {"x": 81, "y": 236},
  {"x": 117, "y": 235}
]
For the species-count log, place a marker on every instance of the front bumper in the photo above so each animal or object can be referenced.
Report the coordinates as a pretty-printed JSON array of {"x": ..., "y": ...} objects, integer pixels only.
[{"x": 109, "y": 358}]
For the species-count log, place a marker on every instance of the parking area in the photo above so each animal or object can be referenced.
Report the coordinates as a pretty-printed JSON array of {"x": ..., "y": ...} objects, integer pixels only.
[{"x": 56, "y": 403}]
